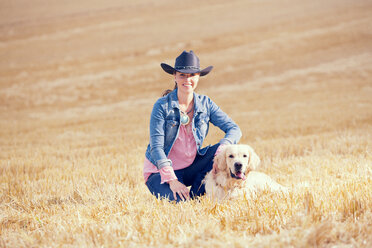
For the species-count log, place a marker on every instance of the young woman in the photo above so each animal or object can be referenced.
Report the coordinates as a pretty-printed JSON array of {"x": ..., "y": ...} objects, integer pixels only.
[{"x": 179, "y": 123}]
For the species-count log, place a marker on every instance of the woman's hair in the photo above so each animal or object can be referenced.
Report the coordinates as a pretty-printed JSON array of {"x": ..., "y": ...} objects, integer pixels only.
[{"x": 166, "y": 92}]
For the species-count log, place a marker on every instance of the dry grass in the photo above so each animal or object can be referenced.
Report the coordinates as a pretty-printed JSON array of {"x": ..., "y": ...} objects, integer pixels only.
[{"x": 77, "y": 84}]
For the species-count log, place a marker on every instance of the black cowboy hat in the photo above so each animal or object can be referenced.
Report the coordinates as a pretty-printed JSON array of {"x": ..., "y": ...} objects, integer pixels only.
[{"x": 187, "y": 62}]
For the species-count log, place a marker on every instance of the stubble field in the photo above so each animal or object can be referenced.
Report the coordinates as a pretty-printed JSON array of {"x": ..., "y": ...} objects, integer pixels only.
[{"x": 77, "y": 83}]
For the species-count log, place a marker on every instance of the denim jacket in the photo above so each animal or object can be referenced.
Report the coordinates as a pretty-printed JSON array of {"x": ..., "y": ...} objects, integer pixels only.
[{"x": 165, "y": 125}]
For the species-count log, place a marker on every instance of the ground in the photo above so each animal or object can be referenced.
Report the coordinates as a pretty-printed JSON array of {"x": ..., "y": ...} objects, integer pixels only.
[{"x": 78, "y": 80}]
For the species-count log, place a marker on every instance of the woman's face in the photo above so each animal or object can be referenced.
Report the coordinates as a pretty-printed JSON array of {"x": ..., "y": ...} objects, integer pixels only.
[{"x": 186, "y": 82}]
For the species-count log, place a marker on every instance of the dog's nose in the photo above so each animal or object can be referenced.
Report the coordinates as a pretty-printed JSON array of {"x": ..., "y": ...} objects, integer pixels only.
[{"x": 238, "y": 166}]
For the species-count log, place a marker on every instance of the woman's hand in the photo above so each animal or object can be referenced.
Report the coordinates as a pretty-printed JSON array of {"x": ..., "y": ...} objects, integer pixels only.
[{"x": 179, "y": 188}]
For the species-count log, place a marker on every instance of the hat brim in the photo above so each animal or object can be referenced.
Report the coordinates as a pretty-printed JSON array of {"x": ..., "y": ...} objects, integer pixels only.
[{"x": 169, "y": 69}]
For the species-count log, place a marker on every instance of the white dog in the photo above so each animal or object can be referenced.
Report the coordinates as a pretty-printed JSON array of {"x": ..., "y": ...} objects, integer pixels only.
[{"x": 234, "y": 174}]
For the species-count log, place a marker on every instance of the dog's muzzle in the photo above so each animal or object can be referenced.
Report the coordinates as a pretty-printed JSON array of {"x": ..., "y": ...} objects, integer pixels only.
[{"x": 239, "y": 176}]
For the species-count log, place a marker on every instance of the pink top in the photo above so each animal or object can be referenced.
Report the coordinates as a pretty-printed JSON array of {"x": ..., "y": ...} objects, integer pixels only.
[{"x": 182, "y": 155}]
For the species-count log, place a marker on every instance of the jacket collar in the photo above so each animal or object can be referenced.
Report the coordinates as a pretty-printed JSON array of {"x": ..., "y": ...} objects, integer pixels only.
[{"x": 199, "y": 107}]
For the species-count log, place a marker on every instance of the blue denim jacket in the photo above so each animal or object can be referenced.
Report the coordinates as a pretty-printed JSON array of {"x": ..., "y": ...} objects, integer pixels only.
[{"x": 165, "y": 125}]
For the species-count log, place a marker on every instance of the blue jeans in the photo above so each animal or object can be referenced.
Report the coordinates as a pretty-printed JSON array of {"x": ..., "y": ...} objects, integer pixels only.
[{"x": 189, "y": 176}]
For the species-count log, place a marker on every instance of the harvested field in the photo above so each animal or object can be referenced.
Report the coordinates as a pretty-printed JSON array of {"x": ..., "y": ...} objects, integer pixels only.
[{"x": 78, "y": 80}]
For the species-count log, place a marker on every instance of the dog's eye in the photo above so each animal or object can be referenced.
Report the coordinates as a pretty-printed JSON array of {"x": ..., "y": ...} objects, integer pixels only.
[
  {"x": 231, "y": 156},
  {"x": 245, "y": 155}
]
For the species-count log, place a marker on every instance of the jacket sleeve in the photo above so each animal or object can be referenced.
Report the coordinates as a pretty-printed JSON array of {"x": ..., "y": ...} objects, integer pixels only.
[
  {"x": 225, "y": 123},
  {"x": 157, "y": 137}
]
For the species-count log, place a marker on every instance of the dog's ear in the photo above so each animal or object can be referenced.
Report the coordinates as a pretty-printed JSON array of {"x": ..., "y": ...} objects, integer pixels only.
[
  {"x": 220, "y": 160},
  {"x": 254, "y": 160}
]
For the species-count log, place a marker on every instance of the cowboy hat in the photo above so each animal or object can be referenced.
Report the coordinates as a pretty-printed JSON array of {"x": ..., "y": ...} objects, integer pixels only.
[{"x": 187, "y": 62}]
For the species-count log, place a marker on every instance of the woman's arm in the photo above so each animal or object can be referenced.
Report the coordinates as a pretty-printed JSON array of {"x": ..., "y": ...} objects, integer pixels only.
[
  {"x": 225, "y": 123},
  {"x": 157, "y": 136}
]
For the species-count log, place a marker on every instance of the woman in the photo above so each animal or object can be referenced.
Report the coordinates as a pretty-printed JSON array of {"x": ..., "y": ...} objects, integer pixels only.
[{"x": 178, "y": 125}]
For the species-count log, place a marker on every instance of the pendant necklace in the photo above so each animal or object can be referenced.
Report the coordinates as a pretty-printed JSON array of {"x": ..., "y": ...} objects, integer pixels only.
[{"x": 185, "y": 117}]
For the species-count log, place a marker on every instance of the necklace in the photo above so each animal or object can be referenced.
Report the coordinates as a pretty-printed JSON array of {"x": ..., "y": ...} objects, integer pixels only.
[{"x": 185, "y": 117}]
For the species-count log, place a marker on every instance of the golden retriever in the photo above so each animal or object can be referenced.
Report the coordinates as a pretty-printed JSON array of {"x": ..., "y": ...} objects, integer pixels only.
[{"x": 234, "y": 174}]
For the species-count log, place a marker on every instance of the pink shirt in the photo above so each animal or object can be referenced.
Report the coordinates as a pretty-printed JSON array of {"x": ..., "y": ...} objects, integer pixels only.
[{"x": 182, "y": 155}]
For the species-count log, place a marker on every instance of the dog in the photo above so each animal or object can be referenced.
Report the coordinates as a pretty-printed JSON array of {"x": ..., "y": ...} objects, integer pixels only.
[{"x": 234, "y": 174}]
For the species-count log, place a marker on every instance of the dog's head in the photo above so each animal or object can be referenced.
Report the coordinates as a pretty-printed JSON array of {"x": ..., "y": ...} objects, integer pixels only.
[{"x": 237, "y": 160}]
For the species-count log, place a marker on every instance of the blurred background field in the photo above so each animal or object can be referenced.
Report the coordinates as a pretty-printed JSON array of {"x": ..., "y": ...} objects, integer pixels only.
[{"x": 77, "y": 83}]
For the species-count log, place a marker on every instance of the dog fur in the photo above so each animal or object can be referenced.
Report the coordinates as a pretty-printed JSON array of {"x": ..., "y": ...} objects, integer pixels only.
[{"x": 235, "y": 174}]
